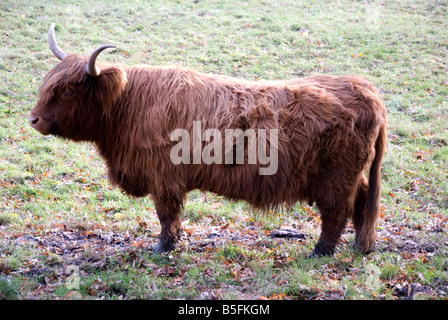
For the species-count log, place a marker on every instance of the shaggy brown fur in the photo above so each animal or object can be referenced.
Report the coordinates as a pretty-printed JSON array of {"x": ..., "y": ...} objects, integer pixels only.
[{"x": 331, "y": 130}]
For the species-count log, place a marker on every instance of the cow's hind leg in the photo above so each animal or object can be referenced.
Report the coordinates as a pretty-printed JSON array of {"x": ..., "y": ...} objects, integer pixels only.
[
  {"x": 364, "y": 228},
  {"x": 168, "y": 211},
  {"x": 334, "y": 199},
  {"x": 334, "y": 219}
]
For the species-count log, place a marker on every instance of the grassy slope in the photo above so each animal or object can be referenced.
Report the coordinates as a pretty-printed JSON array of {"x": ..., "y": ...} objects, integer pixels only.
[{"x": 58, "y": 210}]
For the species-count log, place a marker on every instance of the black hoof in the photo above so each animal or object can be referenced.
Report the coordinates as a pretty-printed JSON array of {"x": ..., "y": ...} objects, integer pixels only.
[
  {"x": 320, "y": 252},
  {"x": 159, "y": 248},
  {"x": 363, "y": 251}
]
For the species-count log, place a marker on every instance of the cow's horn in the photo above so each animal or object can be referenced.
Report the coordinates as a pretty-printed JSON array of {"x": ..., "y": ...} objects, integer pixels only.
[
  {"x": 91, "y": 68},
  {"x": 53, "y": 45}
]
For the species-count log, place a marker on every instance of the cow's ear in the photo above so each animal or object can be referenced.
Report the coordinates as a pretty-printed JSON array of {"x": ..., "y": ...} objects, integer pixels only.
[{"x": 110, "y": 85}]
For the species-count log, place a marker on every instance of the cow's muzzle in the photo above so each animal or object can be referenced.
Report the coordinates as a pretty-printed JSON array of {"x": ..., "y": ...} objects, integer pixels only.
[
  {"x": 42, "y": 125},
  {"x": 34, "y": 120}
]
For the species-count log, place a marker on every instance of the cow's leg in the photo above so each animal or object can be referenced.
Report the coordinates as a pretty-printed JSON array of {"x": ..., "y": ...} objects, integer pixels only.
[
  {"x": 333, "y": 224},
  {"x": 168, "y": 211},
  {"x": 365, "y": 231},
  {"x": 334, "y": 199}
]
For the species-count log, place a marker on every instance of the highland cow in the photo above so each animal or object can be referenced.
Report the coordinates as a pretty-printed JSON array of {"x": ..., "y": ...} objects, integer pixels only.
[{"x": 331, "y": 131}]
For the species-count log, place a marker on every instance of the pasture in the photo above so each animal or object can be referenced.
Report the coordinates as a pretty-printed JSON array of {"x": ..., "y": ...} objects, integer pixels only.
[{"x": 66, "y": 233}]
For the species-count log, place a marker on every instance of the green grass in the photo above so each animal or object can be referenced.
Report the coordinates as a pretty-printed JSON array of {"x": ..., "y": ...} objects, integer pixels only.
[{"x": 57, "y": 208}]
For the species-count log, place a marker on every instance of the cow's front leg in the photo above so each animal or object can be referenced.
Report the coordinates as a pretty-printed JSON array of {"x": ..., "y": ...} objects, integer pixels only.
[{"x": 168, "y": 211}]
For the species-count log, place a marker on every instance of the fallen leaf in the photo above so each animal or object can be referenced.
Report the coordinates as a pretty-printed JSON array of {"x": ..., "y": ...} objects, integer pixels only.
[
  {"x": 225, "y": 226},
  {"x": 165, "y": 271},
  {"x": 119, "y": 216},
  {"x": 91, "y": 292}
]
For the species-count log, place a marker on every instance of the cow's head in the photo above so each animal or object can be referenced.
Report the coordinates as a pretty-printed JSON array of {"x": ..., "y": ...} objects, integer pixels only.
[{"x": 76, "y": 94}]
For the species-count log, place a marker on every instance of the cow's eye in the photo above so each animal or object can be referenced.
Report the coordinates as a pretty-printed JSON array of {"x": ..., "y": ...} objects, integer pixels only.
[{"x": 67, "y": 93}]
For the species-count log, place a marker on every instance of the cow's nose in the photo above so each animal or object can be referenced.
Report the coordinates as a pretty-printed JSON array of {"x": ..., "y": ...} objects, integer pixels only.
[{"x": 33, "y": 120}]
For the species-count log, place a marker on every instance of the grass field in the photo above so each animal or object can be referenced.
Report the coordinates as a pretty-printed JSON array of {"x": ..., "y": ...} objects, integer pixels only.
[{"x": 65, "y": 233}]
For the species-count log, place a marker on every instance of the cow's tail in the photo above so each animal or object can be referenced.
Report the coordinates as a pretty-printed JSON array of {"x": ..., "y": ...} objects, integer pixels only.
[{"x": 368, "y": 218}]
